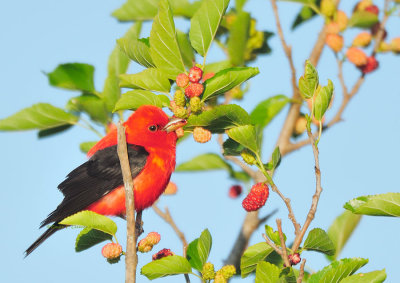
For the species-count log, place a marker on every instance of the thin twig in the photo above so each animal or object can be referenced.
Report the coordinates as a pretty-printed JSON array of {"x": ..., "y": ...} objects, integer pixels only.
[
  {"x": 301, "y": 274},
  {"x": 283, "y": 244},
  {"x": 272, "y": 245},
  {"x": 316, "y": 196},
  {"x": 286, "y": 48},
  {"x": 289, "y": 207},
  {"x": 131, "y": 259},
  {"x": 287, "y": 128},
  {"x": 166, "y": 216}
]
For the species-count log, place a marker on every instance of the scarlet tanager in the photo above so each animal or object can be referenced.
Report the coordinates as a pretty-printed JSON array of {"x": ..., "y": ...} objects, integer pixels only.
[{"x": 97, "y": 184}]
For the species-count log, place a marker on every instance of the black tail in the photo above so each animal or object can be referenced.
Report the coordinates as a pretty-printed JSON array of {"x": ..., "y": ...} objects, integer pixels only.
[{"x": 53, "y": 228}]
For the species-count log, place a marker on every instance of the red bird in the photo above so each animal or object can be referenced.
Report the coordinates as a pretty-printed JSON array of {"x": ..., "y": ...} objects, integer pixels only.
[{"x": 97, "y": 184}]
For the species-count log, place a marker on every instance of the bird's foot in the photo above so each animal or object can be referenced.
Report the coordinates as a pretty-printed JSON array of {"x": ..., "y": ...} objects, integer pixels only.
[{"x": 138, "y": 229}]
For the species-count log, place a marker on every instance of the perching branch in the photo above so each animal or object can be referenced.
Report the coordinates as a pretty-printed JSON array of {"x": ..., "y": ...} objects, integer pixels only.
[{"x": 131, "y": 259}]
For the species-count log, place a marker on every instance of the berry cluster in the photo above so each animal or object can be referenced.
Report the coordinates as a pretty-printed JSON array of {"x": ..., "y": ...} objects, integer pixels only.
[
  {"x": 112, "y": 252},
  {"x": 187, "y": 100},
  {"x": 145, "y": 245},
  {"x": 162, "y": 253},
  {"x": 192, "y": 86},
  {"x": 256, "y": 198},
  {"x": 201, "y": 135},
  {"x": 221, "y": 276},
  {"x": 235, "y": 191},
  {"x": 171, "y": 189},
  {"x": 294, "y": 258},
  {"x": 339, "y": 21}
]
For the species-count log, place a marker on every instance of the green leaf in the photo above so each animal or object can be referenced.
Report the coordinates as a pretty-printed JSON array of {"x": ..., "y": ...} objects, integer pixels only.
[
  {"x": 304, "y": 2},
  {"x": 92, "y": 220},
  {"x": 135, "y": 98},
  {"x": 267, "y": 273},
  {"x": 149, "y": 79},
  {"x": 75, "y": 76},
  {"x": 246, "y": 136},
  {"x": 134, "y": 10},
  {"x": 232, "y": 148},
  {"x": 238, "y": 36},
  {"x": 363, "y": 19},
  {"x": 266, "y": 110},
  {"x": 341, "y": 229},
  {"x": 309, "y": 82},
  {"x": 376, "y": 205},
  {"x": 217, "y": 66},
  {"x": 275, "y": 160},
  {"x": 204, "y": 24},
  {"x": 274, "y": 235},
  {"x": 186, "y": 49},
  {"x": 86, "y": 146},
  {"x": 39, "y": 116},
  {"x": 370, "y": 277},
  {"x": 252, "y": 256},
  {"x": 90, "y": 104},
  {"x": 170, "y": 265},
  {"x": 305, "y": 14},
  {"x": 318, "y": 240},
  {"x": 210, "y": 161},
  {"x": 198, "y": 250},
  {"x": 88, "y": 237},
  {"x": 136, "y": 49},
  {"x": 118, "y": 64},
  {"x": 141, "y": 10},
  {"x": 338, "y": 270},
  {"x": 226, "y": 80},
  {"x": 322, "y": 100},
  {"x": 164, "y": 47},
  {"x": 219, "y": 118},
  {"x": 203, "y": 162},
  {"x": 185, "y": 8},
  {"x": 239, "y": 4},
  {"x": 287, "y": 275},
  {"x": 53, "y": 131}
]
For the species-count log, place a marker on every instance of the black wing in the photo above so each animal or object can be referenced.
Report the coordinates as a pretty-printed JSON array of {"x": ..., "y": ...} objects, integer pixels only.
[{"x": 93, "y": 179}]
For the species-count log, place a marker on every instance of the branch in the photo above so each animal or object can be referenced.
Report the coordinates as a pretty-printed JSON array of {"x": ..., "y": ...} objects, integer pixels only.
[
  {"x": 272, "y": 245},
  {"x": 289, "y": 207},
  {"x": 283, "y": 245},
  {"x": 287, "y": 49},
  {"x": 250, "y": 222},
  {"x": 301, "y": 274},
  {"x": 131, "y": 259},
  {"x": 315, "y": 199},
  {"x": 168, "y": 218}
]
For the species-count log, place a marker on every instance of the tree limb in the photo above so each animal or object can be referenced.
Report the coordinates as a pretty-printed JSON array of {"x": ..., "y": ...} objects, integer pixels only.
[{"x": 131, "y": 259}]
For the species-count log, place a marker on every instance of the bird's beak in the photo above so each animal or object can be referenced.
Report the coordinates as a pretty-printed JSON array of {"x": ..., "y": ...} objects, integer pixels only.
[{"x": 174, "y": 124}]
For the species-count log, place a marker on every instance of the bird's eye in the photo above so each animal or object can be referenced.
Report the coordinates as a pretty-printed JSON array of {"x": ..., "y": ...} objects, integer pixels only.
[{"x": 153, "y": 128}]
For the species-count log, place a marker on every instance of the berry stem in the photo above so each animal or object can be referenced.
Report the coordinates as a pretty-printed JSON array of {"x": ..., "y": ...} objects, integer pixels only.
[{"x": 274, "y": 188}]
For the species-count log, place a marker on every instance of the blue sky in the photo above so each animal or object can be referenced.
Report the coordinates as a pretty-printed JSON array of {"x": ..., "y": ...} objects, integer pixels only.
[{"x": 358, "y": 156}]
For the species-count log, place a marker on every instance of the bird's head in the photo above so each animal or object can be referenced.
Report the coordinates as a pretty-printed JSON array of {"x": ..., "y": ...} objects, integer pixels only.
[{"x": 149, "y": 126}]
